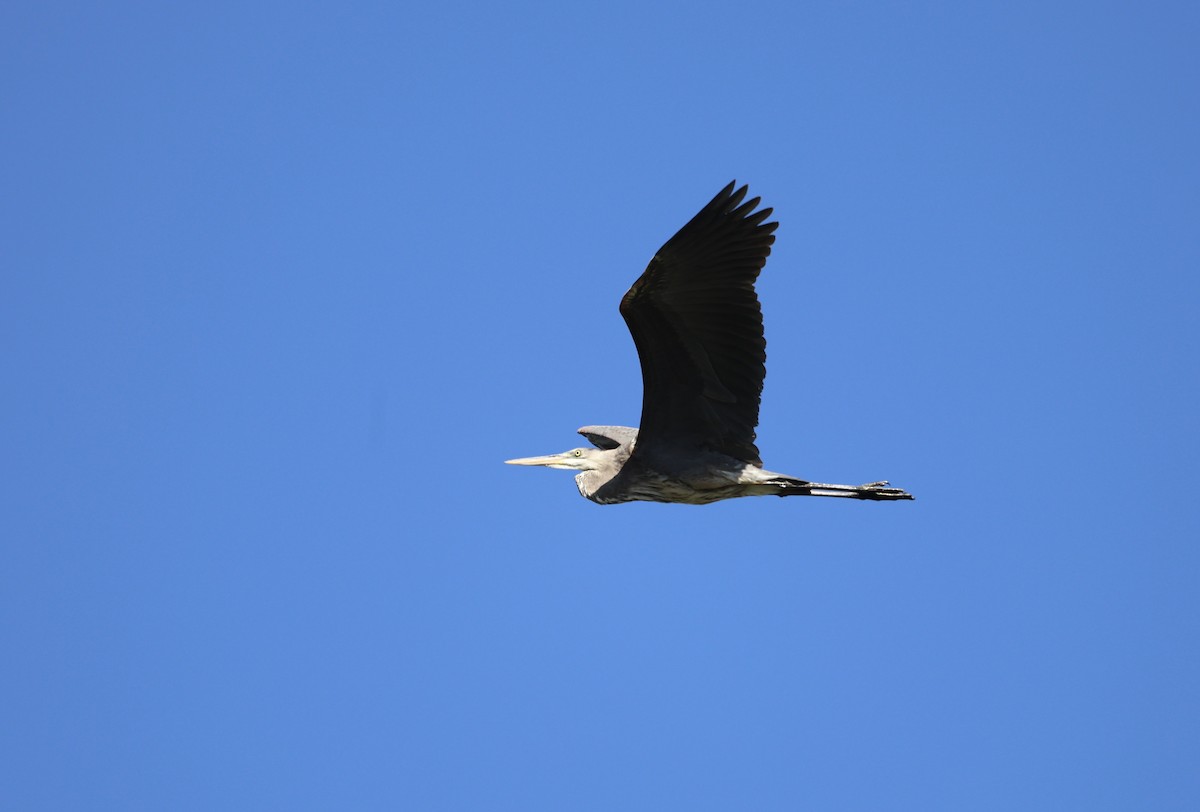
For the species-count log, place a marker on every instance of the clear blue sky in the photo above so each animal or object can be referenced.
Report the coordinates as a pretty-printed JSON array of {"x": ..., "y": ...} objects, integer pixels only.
[{"x": 285, "y": 283}]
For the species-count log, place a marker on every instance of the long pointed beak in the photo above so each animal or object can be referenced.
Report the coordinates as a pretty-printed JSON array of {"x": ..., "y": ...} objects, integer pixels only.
[{"x": 549, "y": 459}]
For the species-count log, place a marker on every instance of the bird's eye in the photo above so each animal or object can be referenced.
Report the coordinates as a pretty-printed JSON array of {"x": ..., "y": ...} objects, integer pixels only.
[{"x": 577, "y": 453}]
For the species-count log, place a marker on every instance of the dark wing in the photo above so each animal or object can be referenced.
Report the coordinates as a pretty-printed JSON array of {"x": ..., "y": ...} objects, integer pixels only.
[
  {"x": 609, "y": 437},
  {"x": 698, "y": 327}
]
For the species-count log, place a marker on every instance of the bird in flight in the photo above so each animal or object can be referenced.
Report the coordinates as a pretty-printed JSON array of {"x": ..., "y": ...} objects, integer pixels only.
[{"x": 697, "y": 324}]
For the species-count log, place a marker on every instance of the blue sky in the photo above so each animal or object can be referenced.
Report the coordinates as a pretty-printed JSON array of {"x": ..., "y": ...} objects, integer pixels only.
[{"x": 285, "y": 283}]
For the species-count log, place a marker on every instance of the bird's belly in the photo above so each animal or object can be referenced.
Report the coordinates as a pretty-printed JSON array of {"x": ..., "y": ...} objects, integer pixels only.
[{"x": 665, "y": 489}]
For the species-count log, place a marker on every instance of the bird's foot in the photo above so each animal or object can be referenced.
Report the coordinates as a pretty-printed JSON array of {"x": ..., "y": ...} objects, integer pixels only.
[{"x": 879, "y": 490}]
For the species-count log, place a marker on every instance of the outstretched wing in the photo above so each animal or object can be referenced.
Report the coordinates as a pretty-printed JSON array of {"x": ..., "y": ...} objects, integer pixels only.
[{"x": 698, "y": 327}]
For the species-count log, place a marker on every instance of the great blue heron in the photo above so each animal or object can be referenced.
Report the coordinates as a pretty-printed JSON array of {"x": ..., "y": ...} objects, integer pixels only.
[{"x": 697, "y": 324}]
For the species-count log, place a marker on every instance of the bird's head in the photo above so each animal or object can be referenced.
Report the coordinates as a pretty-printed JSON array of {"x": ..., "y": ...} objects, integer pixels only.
[{"x": 577, "y": 459}]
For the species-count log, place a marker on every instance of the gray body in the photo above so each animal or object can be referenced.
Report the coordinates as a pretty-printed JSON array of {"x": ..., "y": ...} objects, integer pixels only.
[
  {"x": 611, "y": 474},
  {"x": 697, "y": 324}
]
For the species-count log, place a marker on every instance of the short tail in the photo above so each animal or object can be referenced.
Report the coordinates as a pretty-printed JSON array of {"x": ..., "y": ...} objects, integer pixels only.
[{"x": 876, "y": 491}]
